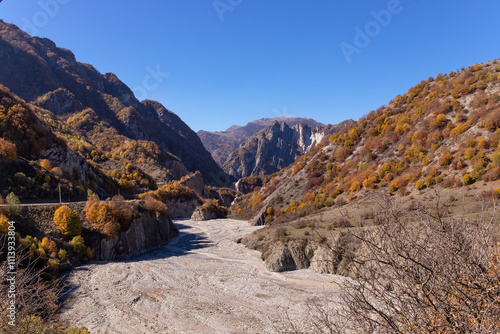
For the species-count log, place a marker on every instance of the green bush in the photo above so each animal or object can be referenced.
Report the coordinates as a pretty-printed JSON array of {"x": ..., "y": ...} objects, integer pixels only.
[
  {"x": 79, "y": 245},
  {"x": 420, "y": 185},
  {"x": 468, "y": 179}
]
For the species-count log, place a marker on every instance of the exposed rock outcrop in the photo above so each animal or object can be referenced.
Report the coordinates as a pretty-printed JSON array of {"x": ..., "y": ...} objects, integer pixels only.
[
  {"x": 195, "y": 182},
  {"x": 222, "y": 144},
  {"x": 202, "y": 213},
  {"x": 329, "y": 256},
  {"x": 146, "y": 232},
  {"x": 181, "y": 208},
  {"x": 271, "y": 149}
]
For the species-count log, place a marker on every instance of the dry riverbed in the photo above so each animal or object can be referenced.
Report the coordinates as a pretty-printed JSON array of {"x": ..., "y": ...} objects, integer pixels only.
[{"x": 202, "y": 282}]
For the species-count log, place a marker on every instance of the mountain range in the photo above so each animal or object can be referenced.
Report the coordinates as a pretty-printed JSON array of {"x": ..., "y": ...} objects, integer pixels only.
[
  {"x": 222, "y": 144},
  {"x": 445, "y": 132},
  {"x": 276, "y": 147},
  {"x": 136, "y": 144}
]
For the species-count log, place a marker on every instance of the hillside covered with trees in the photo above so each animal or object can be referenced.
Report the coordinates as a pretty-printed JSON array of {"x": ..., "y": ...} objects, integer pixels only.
[{"x": 444, "y": 131}]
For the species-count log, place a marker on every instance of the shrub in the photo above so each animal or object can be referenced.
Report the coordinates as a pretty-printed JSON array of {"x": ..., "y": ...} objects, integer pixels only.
[
  {"x": 459, "y": 129},
  {"x": 355, "y": 186},
  {"x": 152, "y": 204},
  {"x": 8, "y": 150},
  {"x": 420, "y": 184},
  {"x": 45, "y": 163},
  {"x": 68, "y": 221},
  {"x": 53, "y": 264},
  {"x": 78, "y": 244},
  {"x": 256, "y": 200},
  {"x": 109, "y": 218},
  {"x": 431, "y": 275},
  {"x": 4, "y": 224},
  {"x": 468, "y": 179},
  {"x": 49, "y": 246},
  {"x": 62, "y": 254},
  {"x": 89, "y": 253},
  {"x": 495, "y": 158},
  {"x": 445, "y": 159},
  {"x": 12, "y": 199},
  {"x": 430, "y": 181}
]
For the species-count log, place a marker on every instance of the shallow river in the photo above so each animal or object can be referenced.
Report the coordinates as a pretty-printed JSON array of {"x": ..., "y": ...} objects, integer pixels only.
[{"x": 202, "y": 282}]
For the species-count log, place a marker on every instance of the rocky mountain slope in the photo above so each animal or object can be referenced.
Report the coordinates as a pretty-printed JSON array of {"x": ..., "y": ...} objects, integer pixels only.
[
  {"x": 136, "y": 143},
  {"x": 275, "y": 147},
  {"x": 444, "y": 133},
  {"x": 35, "y": 161},
  {"x": 222, "y": 144}
]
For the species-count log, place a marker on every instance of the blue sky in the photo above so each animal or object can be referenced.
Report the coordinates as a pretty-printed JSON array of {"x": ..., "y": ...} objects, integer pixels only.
[{"x": 223, "y": 62}]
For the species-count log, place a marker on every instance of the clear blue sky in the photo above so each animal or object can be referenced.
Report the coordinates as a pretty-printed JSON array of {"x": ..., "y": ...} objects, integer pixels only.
[{"x": 250, "y": 59}]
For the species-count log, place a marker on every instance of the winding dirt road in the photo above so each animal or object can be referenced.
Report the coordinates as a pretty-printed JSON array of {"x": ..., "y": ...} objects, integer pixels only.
[{"x": 202, "y": 282}]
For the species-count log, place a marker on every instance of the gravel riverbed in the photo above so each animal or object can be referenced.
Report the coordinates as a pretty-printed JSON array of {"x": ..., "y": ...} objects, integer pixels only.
[{"x": 201, "y": 282}]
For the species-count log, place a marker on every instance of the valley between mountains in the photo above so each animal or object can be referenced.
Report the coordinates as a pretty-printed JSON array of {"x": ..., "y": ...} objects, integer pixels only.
[
  {"x": 201, "y": 282},
  {"x": 398, "y": 208}
]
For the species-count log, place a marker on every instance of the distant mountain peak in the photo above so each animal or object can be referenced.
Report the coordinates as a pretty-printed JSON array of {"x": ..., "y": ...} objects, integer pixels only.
[{"x": 221, "y": 144}]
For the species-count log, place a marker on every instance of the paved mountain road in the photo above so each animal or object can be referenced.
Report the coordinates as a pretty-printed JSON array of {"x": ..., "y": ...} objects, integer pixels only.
[{"x": 202, "y": 282}]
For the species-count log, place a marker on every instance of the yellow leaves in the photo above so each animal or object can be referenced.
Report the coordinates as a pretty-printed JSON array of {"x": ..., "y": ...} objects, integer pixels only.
[
  {"x": 459, "y": 129},
  {"x": 45, "y": 163},
  {"x": 355, "y": 186},
  {"x": 108, "y": 217},
  {"x": 420, "y": 184},
  {"x": 256, "y": 200},
  {"x": 8, "y": 150},
  {"x": 152, "y": 204},
  {"x": 48, "y": 245},
  {"x": 67, "y": 221}
]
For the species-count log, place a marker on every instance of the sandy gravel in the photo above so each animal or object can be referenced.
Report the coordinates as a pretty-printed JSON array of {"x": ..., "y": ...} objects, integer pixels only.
[{"x": 202, "y": 282}]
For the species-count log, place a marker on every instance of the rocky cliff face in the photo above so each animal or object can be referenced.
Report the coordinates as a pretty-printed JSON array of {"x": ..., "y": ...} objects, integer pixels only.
[
  {"x": 329, "y": 256},
  {"x": 147, "y": 232},
  {"x": 222, "y": 144},
  {"x": 273, "y": 148}
]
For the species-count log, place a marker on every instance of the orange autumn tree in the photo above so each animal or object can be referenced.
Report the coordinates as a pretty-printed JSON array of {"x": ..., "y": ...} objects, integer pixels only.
[{"x": 109, "y": 218}]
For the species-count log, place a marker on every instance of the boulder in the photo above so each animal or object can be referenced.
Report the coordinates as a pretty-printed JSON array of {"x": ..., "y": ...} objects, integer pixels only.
[{"x": 202, "y": 213}]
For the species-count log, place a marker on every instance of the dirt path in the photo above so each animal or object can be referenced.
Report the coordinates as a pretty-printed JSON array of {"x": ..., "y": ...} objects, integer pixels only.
[{"x": 202, "y": 282}]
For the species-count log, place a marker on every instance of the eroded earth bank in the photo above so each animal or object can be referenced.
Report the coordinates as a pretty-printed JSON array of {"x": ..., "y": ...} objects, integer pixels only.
[{"x": 202, "y": 282}]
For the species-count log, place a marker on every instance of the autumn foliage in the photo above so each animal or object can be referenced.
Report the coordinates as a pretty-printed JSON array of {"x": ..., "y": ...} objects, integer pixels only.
[
  {"x": 8, "y": 150},
  {"x": 152, "y": 204},
  {"x": 68, "y": 221},
  {"x": 109, "y": 218},
  {"x": 444, "y": 131}
]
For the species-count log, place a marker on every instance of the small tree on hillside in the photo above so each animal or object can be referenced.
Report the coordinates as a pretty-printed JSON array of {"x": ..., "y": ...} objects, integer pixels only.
[{"x": 68, "y": 221}]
